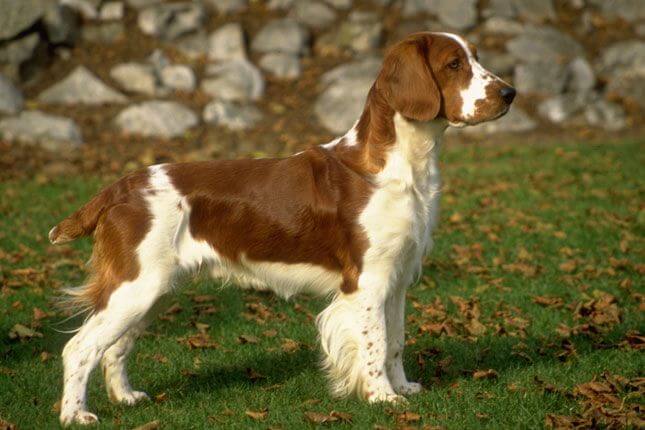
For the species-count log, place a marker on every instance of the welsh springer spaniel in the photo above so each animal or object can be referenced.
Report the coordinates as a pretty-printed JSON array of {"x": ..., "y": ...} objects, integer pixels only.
[{"x": 350, "y": 219}]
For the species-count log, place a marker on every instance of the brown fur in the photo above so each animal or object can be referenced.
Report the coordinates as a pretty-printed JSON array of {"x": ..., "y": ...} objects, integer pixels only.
[
  {"x": 301, "y": 209},
  {"x": 119, "y": 218}
]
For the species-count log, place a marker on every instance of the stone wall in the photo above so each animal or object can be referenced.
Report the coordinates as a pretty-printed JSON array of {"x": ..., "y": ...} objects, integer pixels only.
[{"x": 575, "y": 63}]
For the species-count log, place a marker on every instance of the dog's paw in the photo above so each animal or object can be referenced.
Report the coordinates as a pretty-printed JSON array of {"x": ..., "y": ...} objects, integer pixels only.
[
  {"x": 78, "y": 417},
  {"x": 409, "y": 388},
  {"x": 387, "y": 398},
  {"x": 131, "y": 397}
]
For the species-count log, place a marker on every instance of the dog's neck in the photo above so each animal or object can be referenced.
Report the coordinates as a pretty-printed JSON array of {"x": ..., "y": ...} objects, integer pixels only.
[{"x": 384, "y": 144}]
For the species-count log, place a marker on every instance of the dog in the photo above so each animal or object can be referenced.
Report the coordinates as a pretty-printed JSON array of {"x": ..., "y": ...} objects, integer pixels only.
[{"x": 350, "y": 219}]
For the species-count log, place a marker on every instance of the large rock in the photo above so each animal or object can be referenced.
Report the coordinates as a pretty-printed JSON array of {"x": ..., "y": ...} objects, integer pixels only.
[
  {"x": 629, "y": 86},
  {"x": 606, "y": 115},
  {"x": 18, "y": 15},
  {"x": 61, "y": 24},
  {"x": 231, "y": 115},
  {"x": 20, "y": 50},
  {"x": 503, "y": 26},
  {"x": 170, "y": 21},
  {"x": 501, "y": 64},
  {"x": 81, "y": 87},
  {"x": 11, "y": 100},
  {"x": 515, "y": 121},
  {"x": 112, "y": 11},
  {"x": 281, "y": 35},
  {"x": 581, "y": 76},
  {"x": 108, "y": 32},
  {"x": 50, "y": 131},
  {"x": 621, "y": 57},
  {"x": 544, "y": 44},
  {"x": 542, "y": 77},
  {"x": 458, "y": 14},
  {"x": 178, "y": 77},
  {"x": 340, "y": 4},
  {"x": 530, "y": 10},
  {"x": 156, "y": 118},
  {"x": 229, "y": 6},
  {"x": 281, "y": 65},
  {"x": 361, "y": 32},
  {"x": 535, "y": 10},
  {"x": 227, "y": 43},
  {"x": 413, "y": 8},
  {"x": 313, "y": 14},
  {"x": 136, "y": 78},
  {"x": 234, "y": 80},
  {"x": 88, "y": 9},
  {"x": 629, "y": 10},
  {"x": 193, "y": 46},
  {"x": 562, "y": 107},
  {"x": 342, "y": 102}
]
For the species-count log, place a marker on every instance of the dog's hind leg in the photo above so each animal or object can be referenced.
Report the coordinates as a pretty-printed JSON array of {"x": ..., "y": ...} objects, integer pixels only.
[
  {"x": 114, "y": 364},
  {"x": 113, "y": 327},
  {"x": 129, "y": 277}
]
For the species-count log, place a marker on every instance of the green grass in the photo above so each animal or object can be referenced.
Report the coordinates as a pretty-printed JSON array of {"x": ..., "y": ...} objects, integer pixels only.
[{"x": 526, "y": 207}]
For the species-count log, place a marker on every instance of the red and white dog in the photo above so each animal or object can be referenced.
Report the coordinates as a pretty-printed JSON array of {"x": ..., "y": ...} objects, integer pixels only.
[{"x": 351, "y": 219}]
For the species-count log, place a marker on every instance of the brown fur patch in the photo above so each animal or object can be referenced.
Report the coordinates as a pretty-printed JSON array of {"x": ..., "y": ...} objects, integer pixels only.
[
  {"x": 300, "y": 209},
  {"x": 120, "y": 219}
]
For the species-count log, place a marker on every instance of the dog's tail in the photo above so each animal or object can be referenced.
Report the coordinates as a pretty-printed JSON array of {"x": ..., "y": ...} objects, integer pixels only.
[{"x": 83, "y": 222}]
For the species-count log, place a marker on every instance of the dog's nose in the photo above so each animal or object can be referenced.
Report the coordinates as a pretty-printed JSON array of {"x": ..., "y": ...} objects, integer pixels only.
[{"x": 508, "y": 94}]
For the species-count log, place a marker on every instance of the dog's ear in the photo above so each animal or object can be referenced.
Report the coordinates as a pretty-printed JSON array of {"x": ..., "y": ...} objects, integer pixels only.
[{"x": 406, "y": 82}]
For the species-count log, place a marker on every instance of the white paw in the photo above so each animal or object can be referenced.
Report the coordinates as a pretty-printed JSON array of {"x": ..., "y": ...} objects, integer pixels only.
[
  {"x": 131, "y": 397},
  {"x": 78, "y": 417},
  {"x": 408, "y": 388},
  {"x": 386, "y": 397}
]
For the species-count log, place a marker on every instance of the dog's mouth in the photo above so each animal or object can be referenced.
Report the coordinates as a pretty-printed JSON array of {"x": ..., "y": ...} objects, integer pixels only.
[{"x": 498, "y": 115}]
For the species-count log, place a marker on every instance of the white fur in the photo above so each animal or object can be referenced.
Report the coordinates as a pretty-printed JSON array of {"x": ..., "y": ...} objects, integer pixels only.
[
  {"x": 476, "y": 90},
  {"x": 397, "y": 219}
]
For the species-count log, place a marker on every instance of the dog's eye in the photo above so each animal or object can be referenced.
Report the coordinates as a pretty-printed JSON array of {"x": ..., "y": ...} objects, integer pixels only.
[{"x": 454, "y": 64}]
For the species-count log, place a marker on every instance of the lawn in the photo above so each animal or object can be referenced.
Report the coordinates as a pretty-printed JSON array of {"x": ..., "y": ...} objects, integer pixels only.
[{"x": 530, "y": 311}]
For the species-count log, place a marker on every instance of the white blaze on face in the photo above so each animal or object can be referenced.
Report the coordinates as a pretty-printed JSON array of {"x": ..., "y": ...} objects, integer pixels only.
[{"x": 476, "y": 91}]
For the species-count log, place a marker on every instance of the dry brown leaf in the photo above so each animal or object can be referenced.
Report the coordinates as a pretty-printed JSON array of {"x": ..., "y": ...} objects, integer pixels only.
[
  {"x": 319, "y": 418},
  {"x": 260, "y": 415},
  {"x": 290, "y": 345},
  {"x": 485, "y": 374},
  {"x": 548, "y": 301},
  {"x": 408, "y": 417},
  {"x": 247, "y": 338},
  {"x": 152, "y": 425}
]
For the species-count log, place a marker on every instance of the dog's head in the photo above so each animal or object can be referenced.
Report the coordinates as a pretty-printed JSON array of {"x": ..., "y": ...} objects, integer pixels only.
[{"x": 437, "y": 75}]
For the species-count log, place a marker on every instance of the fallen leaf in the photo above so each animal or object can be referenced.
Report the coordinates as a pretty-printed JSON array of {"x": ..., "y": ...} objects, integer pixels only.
[
  {"x": 548, "y": 301},
  {"x": 485, "y": 374},
  {"x": 319, "y": 418},
  {"x": 257, "y": 415},
  {"x": 152, "y": 425},
  {"x": 408, "y": 417},
  {"x": 343, "y": 416},
  {"x": 290, "y": 345},
  {"x": 247, "y": 338}
]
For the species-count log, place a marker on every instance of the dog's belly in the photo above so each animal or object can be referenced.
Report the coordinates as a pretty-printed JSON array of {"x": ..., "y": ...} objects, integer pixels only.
[{"x": 285, "y": 279}]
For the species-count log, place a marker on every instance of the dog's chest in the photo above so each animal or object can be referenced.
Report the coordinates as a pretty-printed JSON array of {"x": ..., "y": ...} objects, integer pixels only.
[{"x": 403, "y": 209}]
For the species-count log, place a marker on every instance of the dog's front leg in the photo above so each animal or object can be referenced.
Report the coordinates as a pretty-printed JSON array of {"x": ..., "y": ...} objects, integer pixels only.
[
  {"x": 372, "y": 353},
  {"x": 395, "y": 317},
  {"x": 353, "y": 336}
]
